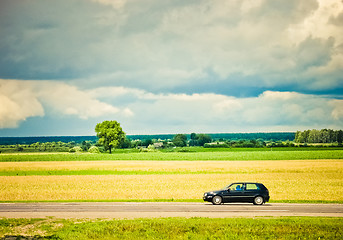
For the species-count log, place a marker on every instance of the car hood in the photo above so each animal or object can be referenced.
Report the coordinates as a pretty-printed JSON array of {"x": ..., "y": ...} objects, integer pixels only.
[{"x": 216, "y": 192}]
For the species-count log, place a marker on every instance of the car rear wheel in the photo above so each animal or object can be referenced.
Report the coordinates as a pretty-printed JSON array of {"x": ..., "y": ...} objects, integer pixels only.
[
  {"x": 217, "y": 200},
  {"x": 258, "y": 200}
]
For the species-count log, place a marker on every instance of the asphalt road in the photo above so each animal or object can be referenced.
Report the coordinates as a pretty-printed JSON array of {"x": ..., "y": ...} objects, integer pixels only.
[{"x": 129, "y": 210}]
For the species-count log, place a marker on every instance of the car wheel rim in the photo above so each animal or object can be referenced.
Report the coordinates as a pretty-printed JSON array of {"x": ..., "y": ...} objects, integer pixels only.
[
  {"x": 258, "y": 200},
  {"x": 217, "y": 200}
]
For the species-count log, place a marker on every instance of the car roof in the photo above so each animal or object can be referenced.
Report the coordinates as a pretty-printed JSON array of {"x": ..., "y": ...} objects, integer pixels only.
[{"x": 246, "y": 183}]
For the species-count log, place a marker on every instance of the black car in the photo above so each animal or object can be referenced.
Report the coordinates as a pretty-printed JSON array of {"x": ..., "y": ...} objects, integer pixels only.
[{"x": 255, "y": 193}]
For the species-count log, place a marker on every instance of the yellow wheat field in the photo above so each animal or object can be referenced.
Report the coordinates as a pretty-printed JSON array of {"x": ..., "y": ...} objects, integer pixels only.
[{"x": 286, "y": 180}]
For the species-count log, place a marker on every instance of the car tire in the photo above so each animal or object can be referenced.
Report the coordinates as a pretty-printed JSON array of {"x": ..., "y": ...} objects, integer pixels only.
[
  {"x": 217, "y": 200},
  {"x": 258, "y": 200}
]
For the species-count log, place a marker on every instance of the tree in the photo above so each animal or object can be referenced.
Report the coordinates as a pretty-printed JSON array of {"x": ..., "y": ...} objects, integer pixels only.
[
  {"x": 180, "y": 140},
  {"x": 203, "y": 138},
  {"x": 314, "y": 136},
  {"x": 319, "y": 136},
  {"x": 85, "y": 145},
  {"x": 146, "y": 142},
  {"x": 126, "y": 143},
  {"x": 324, "y": 136},
  {"x": 300, "y": 137},
  {"x": 193, "y": 141},
  {"x": 110, "y": 134},
  {"x": 93, "y": 149},
  {"x": 339, "y": 136},
  {"x": 297, "y": 137}
]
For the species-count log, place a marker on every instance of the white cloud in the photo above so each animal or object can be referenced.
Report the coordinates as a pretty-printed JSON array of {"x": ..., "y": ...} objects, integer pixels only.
[
  {"x": 141, "y": 111},
  {"x": 270, "y": 111},
  {"x": 114, "y": 3},
  {"x": 17, "y": 103},
  {"x": 319, "y": 23},
  {"x": 69, "y": 100},
  {"x": 337, "y": 112},
  {"x": 23, "y": 99}
]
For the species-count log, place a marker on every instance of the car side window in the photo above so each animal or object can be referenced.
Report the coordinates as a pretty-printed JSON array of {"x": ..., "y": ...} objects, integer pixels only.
[
  {"x": 251, "y": 186},
  {"x": 236, "y": 187}
]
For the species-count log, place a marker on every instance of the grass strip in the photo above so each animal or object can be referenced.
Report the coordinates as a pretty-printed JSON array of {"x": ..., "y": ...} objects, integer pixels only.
[
  {"x": 178, "y": 156},
  {"x": 176, "y": 228},
  {"x": 101, "y": 172},
  {"x": 116, "y": 172}
]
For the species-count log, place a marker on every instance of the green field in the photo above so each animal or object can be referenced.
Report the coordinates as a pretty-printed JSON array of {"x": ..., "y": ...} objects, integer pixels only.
[
  {"x": 214, "y": 155},
  {"x": 177, "y": 228}
]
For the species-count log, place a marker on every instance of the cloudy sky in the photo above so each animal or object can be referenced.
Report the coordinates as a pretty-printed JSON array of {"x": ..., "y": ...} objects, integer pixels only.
[{"x": 170, "y": 66}]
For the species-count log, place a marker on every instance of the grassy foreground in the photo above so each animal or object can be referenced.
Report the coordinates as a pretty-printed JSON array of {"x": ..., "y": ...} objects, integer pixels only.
[{"x": 177, "y": 228}]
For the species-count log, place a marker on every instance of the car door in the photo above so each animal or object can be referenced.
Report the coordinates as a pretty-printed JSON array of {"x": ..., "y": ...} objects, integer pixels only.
[
  {"x": 235, "y": 193},
  {"x": 251, "y": 190}
]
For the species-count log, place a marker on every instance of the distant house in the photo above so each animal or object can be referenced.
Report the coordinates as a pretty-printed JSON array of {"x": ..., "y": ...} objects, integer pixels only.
[
  {"x": 215, "y": 143},
  {"x": 158, "y": 145}
]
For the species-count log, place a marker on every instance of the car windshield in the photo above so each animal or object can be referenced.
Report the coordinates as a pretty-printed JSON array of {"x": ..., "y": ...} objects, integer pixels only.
[
  {"x": 226, "y": 187},
  {"x": 234, "y": 187}
]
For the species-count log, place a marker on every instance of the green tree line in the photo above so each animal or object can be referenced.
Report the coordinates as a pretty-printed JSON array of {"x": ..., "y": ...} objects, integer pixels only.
[
  {"x": 319, "y": 136},
  {"x": 110, "y": 136}
]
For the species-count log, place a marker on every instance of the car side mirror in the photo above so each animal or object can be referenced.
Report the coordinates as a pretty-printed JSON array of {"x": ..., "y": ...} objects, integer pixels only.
[{"x": 228, "y": 189}]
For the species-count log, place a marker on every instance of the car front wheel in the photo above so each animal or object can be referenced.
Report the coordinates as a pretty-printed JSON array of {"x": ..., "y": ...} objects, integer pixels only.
[
  {"x": 258, "y": 200},
  {"x": 217, "y": 200}
]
